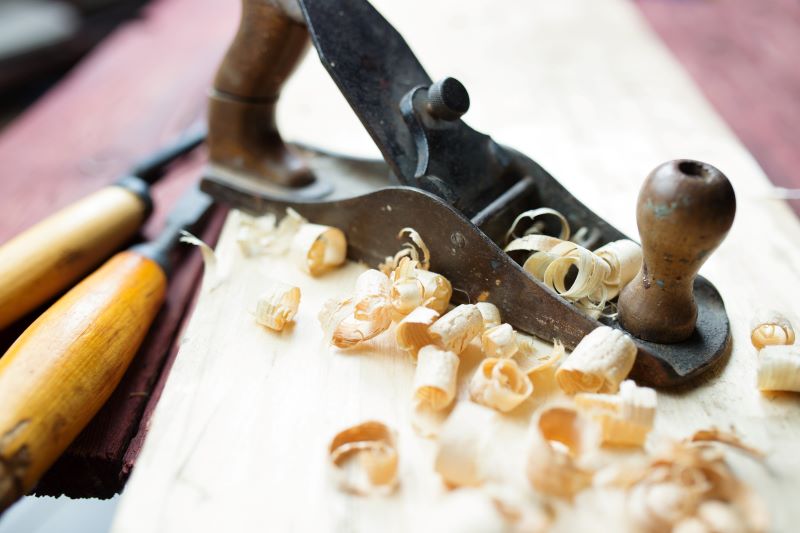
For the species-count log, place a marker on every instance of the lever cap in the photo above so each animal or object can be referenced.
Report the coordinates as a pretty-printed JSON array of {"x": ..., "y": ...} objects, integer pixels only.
[{"x": 685, "y": 209}]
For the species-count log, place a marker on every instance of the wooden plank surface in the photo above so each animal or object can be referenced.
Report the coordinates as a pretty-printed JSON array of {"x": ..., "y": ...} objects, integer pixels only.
[
  {"x": 238, "y": 439},
  {"x": 135, "y": 93}
]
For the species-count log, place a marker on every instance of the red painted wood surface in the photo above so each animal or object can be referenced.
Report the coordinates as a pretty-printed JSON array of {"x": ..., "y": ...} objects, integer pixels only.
[
  {"x": 743, "y": 54},
  {"x": 148, "y": 81},
  {"x": 144, "y": 85}
]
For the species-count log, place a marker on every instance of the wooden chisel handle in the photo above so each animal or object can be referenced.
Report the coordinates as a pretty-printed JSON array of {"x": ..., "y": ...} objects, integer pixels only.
[
  {"x": 49, "y": 257},
  {"x": 64, "y": 367}
]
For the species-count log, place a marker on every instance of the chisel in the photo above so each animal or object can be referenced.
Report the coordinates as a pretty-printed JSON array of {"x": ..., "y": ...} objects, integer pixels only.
[
  {"x": 61, "y": 370},
  {"x": 47, "y": 258}
]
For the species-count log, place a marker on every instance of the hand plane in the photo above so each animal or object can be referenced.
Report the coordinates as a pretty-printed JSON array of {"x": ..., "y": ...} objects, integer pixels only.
[{"x": 455, "y": 185}]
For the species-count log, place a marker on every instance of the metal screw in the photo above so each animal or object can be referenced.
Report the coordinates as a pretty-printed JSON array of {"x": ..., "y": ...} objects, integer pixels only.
[{"x": 448, "y": 99}]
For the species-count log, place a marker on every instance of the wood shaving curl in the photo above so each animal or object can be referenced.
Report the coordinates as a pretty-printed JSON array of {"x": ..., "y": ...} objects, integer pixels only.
[
  {"x": 277, "y": 305},
  {"x": 689, "y": 483},
  {"x": 364, "y": 459},
  {"x": 551, "y": 262},
  {"x": 462, "y": 445},
  {"x": 626, "y": 418},
  {"x": 599, "y": 363},
  {"x": 499, "y": 341},
  {"x": 255, "y": 234},
  {"x": 214, "y": 274},
  {"x": 434, "y": 388},
  {"x": 559, "y": 437},
  {"x": 532, "y": 215},
  {"x": 500, "y": 384},
  {"x": 411, "y": 333},
  {"x": 351, "y": 321},
  {"x": 770, "y": 328},
  {"x": 456, "y": 329},
  {"x": 600, "y": 275},
  {"x": 490, "y": 314},
  {"x": 779, "y": 368},
  {"x": 624, "y": 258},
  {"x": 412, "y": 287},
  {"x": 533, "y": 363},
  {"x": 316, "y": 248},
  {"x": 260, "y": 235},
  {"x": 416, "y": 250}
]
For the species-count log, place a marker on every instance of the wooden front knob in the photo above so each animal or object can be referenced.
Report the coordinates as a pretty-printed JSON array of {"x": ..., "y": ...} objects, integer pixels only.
[{"x": 685, "y": 209}]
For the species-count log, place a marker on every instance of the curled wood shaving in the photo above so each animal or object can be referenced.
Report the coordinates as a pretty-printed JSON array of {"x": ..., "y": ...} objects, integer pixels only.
[
  {"x": 456, "y": 329},
  {"x": 411, "y": 333},
  {"x": 214, "y": 274},
  {"x": 413, "y": 287},
  {"x": 586, "y": 237},
  {"x": 599, "y": 362},
  {"x": 624, "y": 258},
  {"x": 255, "y": 233},
  {"x": 435, "y": 377},
  {"x": 364, "y": 459},
  {"x": 462, "y": 445},
  {"x": 434, "y": 388},
  {"x": 260, "y": 235},
  {"x": 683, "y": 478},
  {"x": 559, "y": 437},
  {"x": 499, "y": 341},
  {"x": 315, "y": 247},
  {"x": 600, "y": 275},
  {"x": 725, "y": 437},
  {"x": 551, "y": 262},
  {"x": 318, "y": 248},
  {"x": 277, "y": 305},
  {"x": 779, "y": 368},
  {"x": 490, "y": 314},
  {"x": 626, "y": 418},
  {"x": 351, "y": 321},
  {"x": 416, "y": 250},
  {"x": 532, "y": 363},
  {"x": 425, "y": 259},
  {"x": 532, "y": 215},
  {"x": 770, "y": 327},
  {"x": 526, "y": 347},
  {"x": 500, "y": 384}
]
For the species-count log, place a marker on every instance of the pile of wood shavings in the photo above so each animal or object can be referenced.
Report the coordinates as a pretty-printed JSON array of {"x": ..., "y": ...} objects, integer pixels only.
[
  {"x": 600, "y": 276},
  {"x": 681, "y": 486},
  {"x": 565, "y": 441}
]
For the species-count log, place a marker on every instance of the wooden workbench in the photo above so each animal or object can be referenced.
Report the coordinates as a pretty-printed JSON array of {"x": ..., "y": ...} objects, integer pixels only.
[{"x": 238, "y": 439}]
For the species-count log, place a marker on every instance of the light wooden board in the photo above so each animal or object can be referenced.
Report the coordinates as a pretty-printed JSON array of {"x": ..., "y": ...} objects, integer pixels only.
[{"x": 238, "y": 440}]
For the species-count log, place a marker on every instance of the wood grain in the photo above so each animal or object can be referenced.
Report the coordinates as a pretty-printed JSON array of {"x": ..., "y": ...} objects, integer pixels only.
[
  {"x": 63, "y": 368},
  {"x": 238, "y": 439}
]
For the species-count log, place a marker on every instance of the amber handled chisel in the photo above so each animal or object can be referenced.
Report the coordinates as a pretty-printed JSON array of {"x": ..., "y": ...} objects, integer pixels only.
[
  {"x": 61, "y": 370},
  {"x": 47, "y": 258}
]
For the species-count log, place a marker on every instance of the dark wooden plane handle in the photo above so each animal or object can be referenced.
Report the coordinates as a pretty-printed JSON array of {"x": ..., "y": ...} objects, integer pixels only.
[{"x": 242, "y": 134}]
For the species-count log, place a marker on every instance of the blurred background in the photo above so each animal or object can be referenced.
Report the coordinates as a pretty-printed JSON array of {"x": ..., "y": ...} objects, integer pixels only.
[
  {"x": 40, "y": 40},
  {"x": 742, "y": 54}
]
